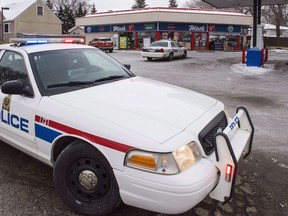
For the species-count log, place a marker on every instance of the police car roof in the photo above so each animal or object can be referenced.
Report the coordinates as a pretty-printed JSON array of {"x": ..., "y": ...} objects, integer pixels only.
[
  {"x": 51, "y": 46},
  {"x": 44, "y": 47},
  {"x": 31, "y": 45}
]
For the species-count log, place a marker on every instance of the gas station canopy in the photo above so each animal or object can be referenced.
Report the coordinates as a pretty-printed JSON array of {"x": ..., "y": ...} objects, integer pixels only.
[
  {"x": 256, "y": 4},
  {"x": 235, "y": 3}
]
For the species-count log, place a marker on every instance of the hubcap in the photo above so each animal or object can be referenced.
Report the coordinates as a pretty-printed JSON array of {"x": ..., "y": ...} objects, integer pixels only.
[{"x": 88, "y": 179}]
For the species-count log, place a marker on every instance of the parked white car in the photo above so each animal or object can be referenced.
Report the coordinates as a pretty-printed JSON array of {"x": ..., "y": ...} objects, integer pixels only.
[
  {"x": 114, "y": 137},
  {"x": 164, "y": 49}
]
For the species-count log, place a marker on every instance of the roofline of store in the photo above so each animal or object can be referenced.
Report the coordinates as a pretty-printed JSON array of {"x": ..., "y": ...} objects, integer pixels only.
[
  {"x": 185, "y": 15},
  {"x": 167, "y": 9}
]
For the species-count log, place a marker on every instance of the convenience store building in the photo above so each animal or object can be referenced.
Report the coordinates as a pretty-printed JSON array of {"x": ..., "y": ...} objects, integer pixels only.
[{"x": 196, "y": 29}]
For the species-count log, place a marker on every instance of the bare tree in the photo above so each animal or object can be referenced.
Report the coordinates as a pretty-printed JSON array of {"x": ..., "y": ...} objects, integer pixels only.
[
  {"x": 277, "y": 15},
  {"x": 173, "y": 4},
  {"x": 202, "y": 4},
  {"x": 197, "y": 4},
  {"x": 68, "y": 10},
  {"x": 72, "y": 4},
  {"x": 245, "y": 10}
]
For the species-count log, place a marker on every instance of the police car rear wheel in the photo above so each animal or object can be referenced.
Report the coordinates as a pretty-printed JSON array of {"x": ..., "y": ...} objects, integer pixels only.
[
  {"x": 184, "y": 54},
  {"x": 85, "y": 181},
  {"x": 170, "y": 57}
]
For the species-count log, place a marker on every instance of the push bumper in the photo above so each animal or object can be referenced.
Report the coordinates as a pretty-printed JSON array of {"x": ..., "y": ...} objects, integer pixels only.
[{"x": 235, "y": 141}]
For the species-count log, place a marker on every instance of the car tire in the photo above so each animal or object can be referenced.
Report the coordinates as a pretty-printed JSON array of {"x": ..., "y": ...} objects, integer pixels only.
[
  {"x": 184, "y": 54},
  {"x": 85, "y": 180},
  {"x": 170, "y": 57},
  {"x": 111, "y": 50},
  {"x": 149, "y": 58}
]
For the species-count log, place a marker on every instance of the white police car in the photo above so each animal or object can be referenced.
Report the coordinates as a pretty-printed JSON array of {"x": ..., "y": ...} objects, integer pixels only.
[
  {"x": 112, "y": 136},
  {"x": 164, "y": 49}
]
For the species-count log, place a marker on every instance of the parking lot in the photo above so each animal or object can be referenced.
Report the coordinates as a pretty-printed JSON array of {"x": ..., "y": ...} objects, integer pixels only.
[{"x": 262, "y": 187}]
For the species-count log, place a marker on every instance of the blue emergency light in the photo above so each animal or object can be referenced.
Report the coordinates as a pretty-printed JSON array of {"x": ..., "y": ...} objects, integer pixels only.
[{"x": 31, "y": 41}]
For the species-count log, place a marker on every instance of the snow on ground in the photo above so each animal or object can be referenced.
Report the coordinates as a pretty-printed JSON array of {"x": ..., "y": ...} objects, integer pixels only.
[
  {"x": 279, "y": 50},
  {"x": 251, "y": 71}
]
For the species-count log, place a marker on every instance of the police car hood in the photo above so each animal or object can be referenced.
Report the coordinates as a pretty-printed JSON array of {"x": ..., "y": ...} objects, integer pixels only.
[{"x": 153, "y": 109}]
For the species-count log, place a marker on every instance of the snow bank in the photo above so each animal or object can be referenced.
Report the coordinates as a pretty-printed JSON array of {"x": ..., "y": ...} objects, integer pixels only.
[
  {"x": 279, "y": 50},
  {"x": 251, "y": 71}
]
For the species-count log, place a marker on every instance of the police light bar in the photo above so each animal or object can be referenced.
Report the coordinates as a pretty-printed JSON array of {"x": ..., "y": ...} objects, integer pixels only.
[{"x": 30, "y": 41}]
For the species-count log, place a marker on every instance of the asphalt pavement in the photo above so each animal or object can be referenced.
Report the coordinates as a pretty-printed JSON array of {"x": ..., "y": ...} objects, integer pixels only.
[{"x": 26, "y": 184}]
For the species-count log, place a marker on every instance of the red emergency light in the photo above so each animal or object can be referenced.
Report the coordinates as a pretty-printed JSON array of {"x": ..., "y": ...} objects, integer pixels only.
[{"x": 228, "y": 173}]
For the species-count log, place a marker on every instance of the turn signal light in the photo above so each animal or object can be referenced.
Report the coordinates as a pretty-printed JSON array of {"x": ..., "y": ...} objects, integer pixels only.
[
  {"x": 143, "y": 161},
  {"x": 229, "y": 171}
]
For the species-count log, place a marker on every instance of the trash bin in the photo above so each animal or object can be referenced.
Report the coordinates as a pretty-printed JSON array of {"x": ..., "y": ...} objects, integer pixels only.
[{"x": 254, "y": 57}]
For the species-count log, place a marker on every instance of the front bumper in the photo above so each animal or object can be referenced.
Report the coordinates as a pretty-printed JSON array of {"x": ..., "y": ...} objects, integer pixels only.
[
  {"x": 105, "y": 48},
  {"x": 175, "y": 194},
  {"x": 169, "y": 194},
  {"x": 155, "y": 54}
]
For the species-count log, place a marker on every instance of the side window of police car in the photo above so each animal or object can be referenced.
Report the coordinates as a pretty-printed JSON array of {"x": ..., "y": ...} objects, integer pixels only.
[
  {"x": 12, "y": 67},
  {"x": 174, "y": 45}
]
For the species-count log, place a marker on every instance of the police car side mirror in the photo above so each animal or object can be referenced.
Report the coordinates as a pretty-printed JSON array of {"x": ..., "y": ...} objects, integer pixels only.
[
  {"x": 128, "y": 66},
  {"x": 16, "y": 87}
]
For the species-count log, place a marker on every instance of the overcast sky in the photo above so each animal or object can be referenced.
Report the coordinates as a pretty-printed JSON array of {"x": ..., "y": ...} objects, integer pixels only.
[{"x": 105, "y": 5}]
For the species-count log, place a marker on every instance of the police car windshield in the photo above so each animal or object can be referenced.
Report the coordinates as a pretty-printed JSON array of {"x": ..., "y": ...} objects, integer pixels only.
[
  {"x": 159, "y": 44},
  {"x": 73, "y": 67}
]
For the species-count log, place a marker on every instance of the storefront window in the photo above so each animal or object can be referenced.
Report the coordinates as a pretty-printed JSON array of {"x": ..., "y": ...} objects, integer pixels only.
[
  {"x": 232, "y": 41},
  {"x": 200, "y": 40},
  {"x": 218, "y": 41},
  {"x": 147, "y": 37},
  {"x": 185, "y": 37},
  {"x": 169, "y": 35}
]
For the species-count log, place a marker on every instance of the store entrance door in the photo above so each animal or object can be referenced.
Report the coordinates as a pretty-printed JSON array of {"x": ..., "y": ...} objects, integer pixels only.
[{"x": 199, "y": 41}]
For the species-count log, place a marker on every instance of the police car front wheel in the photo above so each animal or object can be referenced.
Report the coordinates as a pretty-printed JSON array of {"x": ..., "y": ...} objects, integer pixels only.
[
  {"x": 170, "y": 57},
  {"x": 85, "y": 181}
]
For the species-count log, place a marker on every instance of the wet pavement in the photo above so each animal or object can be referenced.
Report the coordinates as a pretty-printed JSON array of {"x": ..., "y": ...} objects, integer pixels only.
[{"x": 26, "y": 184}]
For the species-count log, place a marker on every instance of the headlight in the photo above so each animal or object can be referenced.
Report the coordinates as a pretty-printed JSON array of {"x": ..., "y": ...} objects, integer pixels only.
[
  {"x": 187, "y": 155},
  {"x": 164, "y": 163}
]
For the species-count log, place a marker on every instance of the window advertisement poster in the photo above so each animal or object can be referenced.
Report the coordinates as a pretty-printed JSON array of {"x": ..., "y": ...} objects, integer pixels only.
[
  {"x": 146, "y": 42},
  {"x": 123, "y": 42},
  {"x": 176, "y": 36}
]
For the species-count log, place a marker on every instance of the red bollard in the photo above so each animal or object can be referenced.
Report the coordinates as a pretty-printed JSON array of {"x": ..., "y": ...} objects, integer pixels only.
[
  {"x": 266, "y": 55},
  {"x": 243, "y": 55},
  {"x": 263, "y": 57}
]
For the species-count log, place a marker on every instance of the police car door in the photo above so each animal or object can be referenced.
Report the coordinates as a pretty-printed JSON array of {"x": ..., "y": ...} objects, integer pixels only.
[
  {"x": 17, "y": 111},
  {"x": 176, "y": 49}
]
